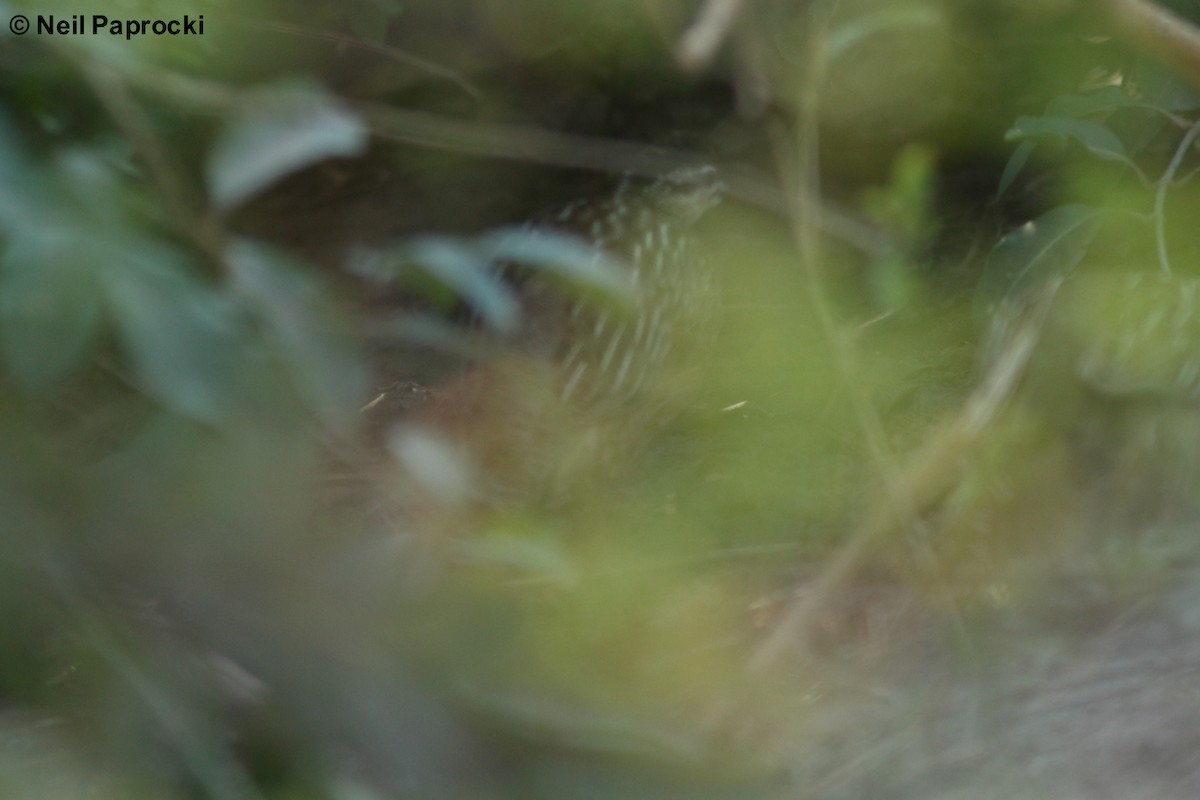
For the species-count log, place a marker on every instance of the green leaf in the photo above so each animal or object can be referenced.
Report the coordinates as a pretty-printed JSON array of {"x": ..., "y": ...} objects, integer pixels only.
[
  {"x": 426, "y": 330},
  {"x": 20, "y": 189},
  {"x": 1136, "y": 333},
  {"x": 369, "y": 21},
  {"x": 1143, "y": 138},
  {"x": 902, "y": 205},
  {"x": 581, "y": 778},
  {"x": 182, "y": 338},
  {"x": 541, "y": 560},
  {"x": 453, "y": 263},
  {"x": 538, "y": 718},
  {"x": 49, "y": 319},
  {"x": 1034, "y": 254},
  {"x": 1081, "y": 105},
  {"x": 1016, "y": 163},
  {"x": 1161, "y": 88},
  {"x": 274, "y": 132},
  {"x": 324, "y": 366},
  {"x": 1096, "y": 138},
  {"x": 561, "y": 255},
  {"x": 892, "y": 283},
  {"x": 850, "y": 35}
]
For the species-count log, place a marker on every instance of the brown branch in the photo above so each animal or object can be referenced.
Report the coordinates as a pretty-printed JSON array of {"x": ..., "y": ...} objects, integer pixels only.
[{"x": 1157, "y": 32}]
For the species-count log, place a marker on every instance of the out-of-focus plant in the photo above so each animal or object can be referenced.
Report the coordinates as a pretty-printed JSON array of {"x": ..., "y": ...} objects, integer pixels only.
[{"x": 183, "y": 611}]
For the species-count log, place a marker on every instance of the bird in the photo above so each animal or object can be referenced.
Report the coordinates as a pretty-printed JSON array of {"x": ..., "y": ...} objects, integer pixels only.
[
  {"x": 579, "y": 383},
  {"x": 606, "y": 357}
]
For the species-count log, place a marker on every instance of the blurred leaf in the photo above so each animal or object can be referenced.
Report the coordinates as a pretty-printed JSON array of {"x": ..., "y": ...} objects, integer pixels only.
[
  {"x": 471, "y": 269},
  {"x": 1016, "y": 163},
  {"x": 390, "y": 266},
  {"x": 91, "y": 183},
  {"x": 561, "y": 255},
  {"x": 436, "y": 465},
  {"x": 1037, "y": 252},
  {"x": 1106, "y": 98},
  {"x": 325, "y": 367},
  {"x": 903, "y": 204},
  {"x": 427, "y": 330},
  {"x": 1148, "y": 134},
  {"x": 537, "y": 718},
  {"x": 892, "y": 283},
  {"x": 593, "y": 779},
  {"x": 1096, "y": 138},
  {"x": 1137, "y": 333},
  {"x": 369, "y": 20},
  {"x": 38, "y": 762},
  {"x": 902, "y": 207},
  {"x": 1161, "y": 88},
  {"x": 347, "y": 789},
  {"x": 538, "y": 559},
  {"x": 868, "y": 25},
  {"x": 49, "y": 319},
  {"x": 21, "y": 201},
  {"x": 61, "y": 223},
  {"x": 456, "y": 265},
  {"x": 277, "y": 131},
  {"x": 181, "y": 336}
]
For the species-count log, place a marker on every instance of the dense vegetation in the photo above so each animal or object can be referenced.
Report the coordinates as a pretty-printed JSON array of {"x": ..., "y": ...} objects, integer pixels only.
[{"x": 938, "y": 439}]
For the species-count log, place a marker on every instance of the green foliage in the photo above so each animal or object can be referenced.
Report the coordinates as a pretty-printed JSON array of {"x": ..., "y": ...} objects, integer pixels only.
[
  {"x": 903, "y": 208},
  {"x": 1097, "y": 139},
  {"x": 183, "y": 339},
  {"x": 583, "y": 268},
  {"x": 1134, "y": 122},
  {"x": 862, "y": 28},
  {"x": 288, "y": 306},
  {"x": 190, "y": 604},
  {"x": 460, "y": 270},
  {"x": 1038, "y": 254},
  {"x": 209, "y": 272},
  {"x": 1066, "y": 121},
  {"x": 274, "y": 132},
  {"x": 472, "y": 270}
]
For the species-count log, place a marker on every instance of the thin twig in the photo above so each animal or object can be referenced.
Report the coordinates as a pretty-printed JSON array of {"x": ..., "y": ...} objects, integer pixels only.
[
  {"x": 799, "y": 620},
  {"x": 538, "y": 145},
  {"x": 1178, "y": 120},
  {"x": 1160, "y": 196},
  {"x": 529, "y": 144},
  {"x": 922, "y": 482},
  {"x": 384, "y": 51}
]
